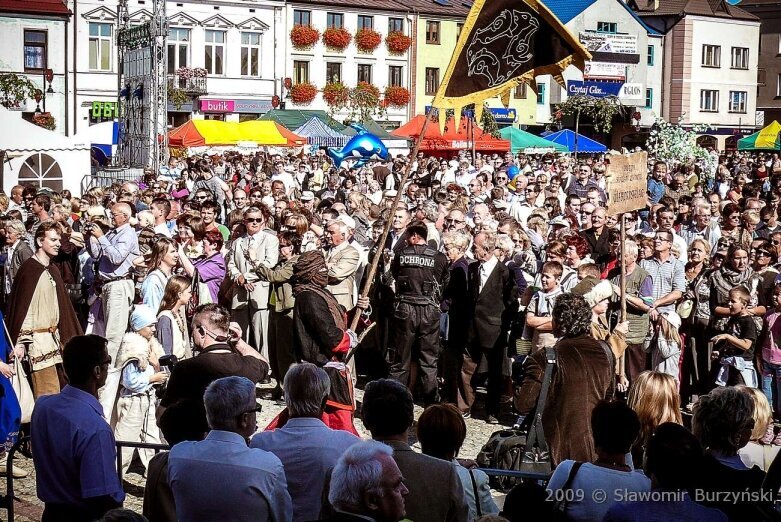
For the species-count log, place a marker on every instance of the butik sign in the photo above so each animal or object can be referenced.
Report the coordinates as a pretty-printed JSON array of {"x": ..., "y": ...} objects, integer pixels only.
[
  {"x": 216, "y": 105},
  {"x": 623, "y": 91}
]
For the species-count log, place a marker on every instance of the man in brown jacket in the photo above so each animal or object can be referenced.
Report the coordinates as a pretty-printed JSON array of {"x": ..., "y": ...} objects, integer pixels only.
[
  {"x": 582, "y": 377},
  {"x": 435, "y": 491}
]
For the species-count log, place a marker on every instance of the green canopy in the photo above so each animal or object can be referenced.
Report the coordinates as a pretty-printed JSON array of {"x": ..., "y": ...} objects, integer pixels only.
[
  {"x": 522, "y": 141},
  {"x": 765, "y": 139},
  {"x": 293, "y": 119}
]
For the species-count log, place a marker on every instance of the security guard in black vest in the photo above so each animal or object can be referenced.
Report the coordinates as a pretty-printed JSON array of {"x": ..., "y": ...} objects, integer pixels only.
[{"x": 420, "y": 274}]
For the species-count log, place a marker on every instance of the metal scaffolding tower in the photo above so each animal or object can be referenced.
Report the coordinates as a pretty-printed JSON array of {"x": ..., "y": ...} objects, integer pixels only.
[{"x": 143, "y": 90}]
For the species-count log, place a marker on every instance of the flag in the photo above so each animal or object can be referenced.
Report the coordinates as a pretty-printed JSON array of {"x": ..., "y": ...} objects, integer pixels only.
[{"x": 503, "y": 44}]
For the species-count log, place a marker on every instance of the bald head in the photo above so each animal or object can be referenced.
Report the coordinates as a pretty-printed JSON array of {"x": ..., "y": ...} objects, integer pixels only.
[{"x": 120, "y": 213}]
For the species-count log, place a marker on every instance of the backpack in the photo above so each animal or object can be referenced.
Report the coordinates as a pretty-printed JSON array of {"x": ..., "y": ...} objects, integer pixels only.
[{"x": 522, "y": 447}]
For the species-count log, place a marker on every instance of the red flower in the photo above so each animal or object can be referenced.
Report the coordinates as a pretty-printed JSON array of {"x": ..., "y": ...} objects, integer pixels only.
[
  {"x": 303, "y": 93},
  {"x": 337, "y": 38},
  {"x": 304, "y": 36},
  {"x": 367, "y": 40},
  {"x": 397, "y": 42},
  {"x": 336, "y": 94},
  {"x": 368, "y": 89},
  {"x": 397, "y": 96}
]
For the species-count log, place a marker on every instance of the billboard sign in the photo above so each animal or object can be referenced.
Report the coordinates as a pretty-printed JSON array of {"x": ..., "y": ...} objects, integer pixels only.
[{"x": 609, "y": 42}]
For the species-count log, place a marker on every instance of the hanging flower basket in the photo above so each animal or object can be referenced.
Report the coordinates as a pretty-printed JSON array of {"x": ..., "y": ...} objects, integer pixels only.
[
  {"x": 336, "y": 94},
  {"x": 304, "y": 36},
  {"x": 367, "y": 40},
  {"x": 200, "y": 72},
  {"x": 303, "y": 93},
  {"x": 367, "y": 89},
  {"x": 397, "y": 42},
  {"x": 45, "y": 120},
  {"x": 184, "y": 73},
  {"x": 337, "y": 38},
  {"x": 397, "y": 96}
]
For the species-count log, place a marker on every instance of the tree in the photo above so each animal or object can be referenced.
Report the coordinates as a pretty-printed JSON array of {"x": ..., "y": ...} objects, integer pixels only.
[
  {"x": 601, "y": 110},
  {"x": 676, "y": 146},
  {"x": 15, "y": 89}
]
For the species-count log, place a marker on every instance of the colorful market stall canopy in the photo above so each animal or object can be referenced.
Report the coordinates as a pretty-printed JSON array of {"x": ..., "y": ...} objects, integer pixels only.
[
  {"x": 528, "y": 143},
  {"x": 319, "y": 134},
  {"x": 456, "y": 137},
  {"x": 567, "y": 138},
  {"x": 199, "y": 133},
  {"x": 765, "y": 139},
  {"x": 293, "y": 119}
]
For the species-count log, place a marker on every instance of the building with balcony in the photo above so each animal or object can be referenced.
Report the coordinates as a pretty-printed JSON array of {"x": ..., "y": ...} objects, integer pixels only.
[
  {"x": 626, "y": 63},
  {"x": 331, "y": 45},
  {"x": 33, "y": 36},
  {"x": 222, "y": 59},
  {"x": 709, "y": 67},
  {"x": 769, "y": 66}
]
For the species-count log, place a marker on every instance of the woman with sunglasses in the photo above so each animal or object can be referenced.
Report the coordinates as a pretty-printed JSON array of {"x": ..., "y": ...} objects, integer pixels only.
[{"x": 695, "y": 373}]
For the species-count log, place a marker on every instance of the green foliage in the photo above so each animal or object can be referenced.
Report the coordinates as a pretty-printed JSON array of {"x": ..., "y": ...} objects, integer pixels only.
[
  {"x": 15, "y": 89},
  {"x": 601, "y": 110},
  {"x": 676, "y": 146},
  {"x": 177, "y": 97}
]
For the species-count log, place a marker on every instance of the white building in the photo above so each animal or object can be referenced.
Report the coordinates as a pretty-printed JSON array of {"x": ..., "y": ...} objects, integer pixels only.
[
  {"x": 626, "y": 62},
  {"x": 234, "y": 42},
  {"x": 710, "y": 67},
  {"x": 319, "y": 65},
  {"x": 33, "y": 39}
]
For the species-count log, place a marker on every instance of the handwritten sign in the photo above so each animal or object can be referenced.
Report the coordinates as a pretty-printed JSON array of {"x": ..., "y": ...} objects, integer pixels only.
[{"x": 627, "y": 182}]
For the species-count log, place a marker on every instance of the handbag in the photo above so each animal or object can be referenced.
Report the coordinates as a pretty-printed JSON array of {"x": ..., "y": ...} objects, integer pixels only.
[
  {"x": 23, "y": 391},
  {"x": 536, "y": 456},
  {"x": 684, "y": 308}
]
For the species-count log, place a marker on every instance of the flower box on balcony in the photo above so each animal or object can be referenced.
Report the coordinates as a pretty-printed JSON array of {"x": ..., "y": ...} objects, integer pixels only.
[
  {"x": 304, "y": 36},
  {"x": 367, "y": 40},
  {"x": 397, "y": 96},
  {"x": 336, "y": 94},
  {"x": 303, "y": 93},
  {"x": 397, "y": 42},
  {"x": 337, "y": 38}
]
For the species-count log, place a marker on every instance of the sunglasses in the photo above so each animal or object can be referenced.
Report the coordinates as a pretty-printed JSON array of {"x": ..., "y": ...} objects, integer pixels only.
[
  {"x": 257, "y": 195},
  {"x": 454, "y": 221},
  {"x": 253, "y": 220}
]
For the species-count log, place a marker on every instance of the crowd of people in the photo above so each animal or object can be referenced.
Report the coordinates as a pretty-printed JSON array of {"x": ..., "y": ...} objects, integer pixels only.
[{"x": 150, "y": 310}]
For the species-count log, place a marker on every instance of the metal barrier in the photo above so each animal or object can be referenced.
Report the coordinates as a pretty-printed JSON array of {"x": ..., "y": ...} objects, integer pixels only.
[
  {"x": 109, "y": 176},
  {"x": 137, "y": 445}
]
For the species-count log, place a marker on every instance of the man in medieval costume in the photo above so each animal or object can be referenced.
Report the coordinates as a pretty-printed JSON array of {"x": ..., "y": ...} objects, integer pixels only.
[{"x": 41, "y": 318}]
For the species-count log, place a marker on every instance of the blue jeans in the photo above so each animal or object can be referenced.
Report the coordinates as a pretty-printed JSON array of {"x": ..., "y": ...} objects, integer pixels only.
[{"x": 771, "y": 384}]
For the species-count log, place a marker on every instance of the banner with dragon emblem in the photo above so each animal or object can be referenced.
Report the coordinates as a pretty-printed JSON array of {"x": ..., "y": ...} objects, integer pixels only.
[{"x": 505, "y": 43}]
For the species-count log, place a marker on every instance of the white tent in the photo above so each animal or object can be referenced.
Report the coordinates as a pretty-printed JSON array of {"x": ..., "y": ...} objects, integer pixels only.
[{"x": 36, "y": 156}]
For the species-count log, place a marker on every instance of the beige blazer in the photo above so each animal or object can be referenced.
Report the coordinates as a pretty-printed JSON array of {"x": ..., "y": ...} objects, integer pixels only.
[
  {"x": 264, "y": 252},
  {"x": 343, "y": 262}
]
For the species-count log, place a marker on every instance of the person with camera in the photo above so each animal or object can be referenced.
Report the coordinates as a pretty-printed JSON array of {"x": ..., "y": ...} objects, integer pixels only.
[
  {"x": 139, "y": 359},
  {"x": 219, "y": 352},
  {"x": 114, "y": 252}
]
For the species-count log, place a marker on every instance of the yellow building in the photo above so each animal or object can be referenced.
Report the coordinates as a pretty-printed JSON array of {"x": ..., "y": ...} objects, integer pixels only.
[{"x": 436, "y": 26}]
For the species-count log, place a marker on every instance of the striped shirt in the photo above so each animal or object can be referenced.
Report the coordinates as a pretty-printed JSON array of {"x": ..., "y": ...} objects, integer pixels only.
[{"x": 667, "y": 276}]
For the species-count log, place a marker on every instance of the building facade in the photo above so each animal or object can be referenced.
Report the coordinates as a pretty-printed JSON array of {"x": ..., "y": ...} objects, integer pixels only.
[
  {"x": 223, "y": 59},
  {"x": 33, "y": 38},
  {"x": 710, "y": 69},
  {"x": 769, "y": 66}
]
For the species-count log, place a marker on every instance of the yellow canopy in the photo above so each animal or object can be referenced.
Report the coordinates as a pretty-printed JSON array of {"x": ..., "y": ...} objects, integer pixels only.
[
  {"x": 765, "y": 139},
  {"x": 196, "y": 133}
]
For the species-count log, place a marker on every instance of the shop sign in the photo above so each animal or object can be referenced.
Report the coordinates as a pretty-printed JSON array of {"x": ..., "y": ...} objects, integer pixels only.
[
  {"x": 594, "y": 89},
  {"x": 103, "y": 111},
  {"x": 217, "y": 106},
  {"x": 604, "y": 71},
  {"x": 609, "y": 42},
  {"x": 252, "y": 106},
  {"x": 502, "y": 115}
]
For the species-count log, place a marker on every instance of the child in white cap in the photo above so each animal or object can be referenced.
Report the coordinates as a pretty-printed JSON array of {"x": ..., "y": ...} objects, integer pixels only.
[{"x": 138, "y": 357}]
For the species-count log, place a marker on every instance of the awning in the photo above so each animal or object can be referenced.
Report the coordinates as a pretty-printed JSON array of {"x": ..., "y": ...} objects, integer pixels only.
[
  {"x": 198, "y": 133},
  {"x": 318, "y": 134},
  {"x": 528, "y": 143},
  {"x": 571, "y": 140},
  {"x": 765, "y": 139},
  {"x": 456, "y": 137}
]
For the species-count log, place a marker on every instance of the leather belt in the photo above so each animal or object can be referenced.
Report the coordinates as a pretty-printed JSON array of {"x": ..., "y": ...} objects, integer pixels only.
[{"x": 105, "y": 281}]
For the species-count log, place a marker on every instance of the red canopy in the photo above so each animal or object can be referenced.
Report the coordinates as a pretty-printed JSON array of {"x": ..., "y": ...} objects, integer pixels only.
[{"x": 456, "y": 137}]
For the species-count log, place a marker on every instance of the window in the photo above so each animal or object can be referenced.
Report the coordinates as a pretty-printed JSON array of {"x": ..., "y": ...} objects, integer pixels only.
[
  {"x": 607, "y": 27},
  {"x": 395, "y": 25},
  {"x": 302, "y": 17},
  {"x": 34, "y": 50},
  {"x": 520, "y": 92},
  {"x": 778, "y": 86},
  {"x": 300, "y": 72},
  {"x": 739, "y": 58},
  {"x": 651, "y": 55},
  {"x": 100, "y": 44},
  {"x": 178, "y": 48},
  {"x": 395, "y": 76},
  {"x": 432, "y": 32},
  {"x": 540, "y": 94},
  {"x": 737, "y": 101},
  {"x": 333, "y": 72},
  {"x": 709, "y": 100},
  {"x": 250, "y": 54},
  {"x": 364, "y": 72},
  {"x": 334, "y": 20},
  {"x": 711, "y": 56},
  {"x": 432, "y": 80},
  {"x": 365, "y": 22},
  {"x": 214, "y": 51},
  {"x": 649, "y": 98},
  {"x": 459, "y": 26},
  {"x": 762, "y": 77}
]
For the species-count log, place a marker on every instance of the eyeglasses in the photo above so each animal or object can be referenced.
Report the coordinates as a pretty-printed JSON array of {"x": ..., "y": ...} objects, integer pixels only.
[
  {"x": 454, "y": 221},
  {"x": 253, "y": 220},
  {"x": 257, "y": 409},
  {"x": 586, "y": 213},
  {"x": 256, "y": 195},
  {"x": 663, "y": 239}
]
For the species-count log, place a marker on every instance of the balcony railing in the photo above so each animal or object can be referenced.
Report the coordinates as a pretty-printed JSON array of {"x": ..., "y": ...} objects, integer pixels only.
[{"x": 195, "y": 85}]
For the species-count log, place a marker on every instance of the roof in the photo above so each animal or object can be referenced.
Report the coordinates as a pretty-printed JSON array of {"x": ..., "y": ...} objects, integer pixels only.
[
  {"x": 294, "y": 118},
  {"x": 377, "y": 5},
  {"x": 566, "y": 10},
  {"x": 457, "y": 8},
  {"x": 39, "y": 7},
  {"x": 681, "y": 8}
]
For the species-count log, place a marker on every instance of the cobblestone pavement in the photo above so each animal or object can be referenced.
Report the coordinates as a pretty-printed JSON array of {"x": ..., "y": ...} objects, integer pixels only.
[{"x": 29, "y": 508}]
